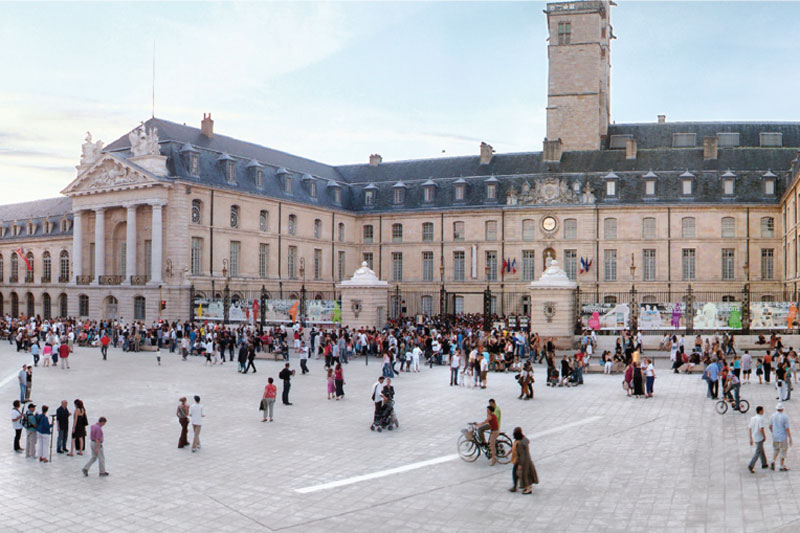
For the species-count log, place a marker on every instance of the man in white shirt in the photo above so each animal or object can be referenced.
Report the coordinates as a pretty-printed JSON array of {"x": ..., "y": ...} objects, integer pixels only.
[
  {"x": 455, "y": 362},
  {"x": 196, "y": 415},
  {"x": 757, "y": 437},
  {"x": 303, "y": 357},
  {"x": 416, "y": 354}
]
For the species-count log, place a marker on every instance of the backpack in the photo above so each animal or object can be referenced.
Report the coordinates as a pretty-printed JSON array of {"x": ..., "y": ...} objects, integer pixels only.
[{"x": 29, "y": 421}]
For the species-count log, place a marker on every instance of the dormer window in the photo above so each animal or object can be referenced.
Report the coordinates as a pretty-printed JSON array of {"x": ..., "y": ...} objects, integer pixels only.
[
  {"x": 611, "y": 184},
  {"x": 312, "y": 189},
  {"x": 228, "y": 165},
  {"x": 728, "y": 180},
  {"x": 491, "y": 189},
  {"x": 30, "y": 228},
  {"x": 336, "y": 192},
  {"x": 770, "y": 139},
  {"x": 687, "y": 181},
  {"x": 64, "y": 225},
  {"x": 650, "y": 183},
  {"x": 369, "y": 194},
  {"x": 769, "y": 182},
  {"x": 191, "y": 159},
  {"x": 288, "y": 185},
  {"x": 398, "y": 193},
  {"x": 461, "y": 190},
  {"x": 256, "y": 171},
  {"x": 428, "y": 191}
]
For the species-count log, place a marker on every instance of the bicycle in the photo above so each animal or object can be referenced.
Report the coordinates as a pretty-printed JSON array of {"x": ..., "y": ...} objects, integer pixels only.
[
  {"x": 722, "y": 405},
  {"x": 470, "y": 447}
]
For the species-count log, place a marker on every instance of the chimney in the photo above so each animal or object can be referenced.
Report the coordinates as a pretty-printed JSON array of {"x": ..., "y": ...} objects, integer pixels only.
[
  {"x": 486, "y": 153},
  {"x": 710, "y": 147},
  {"x": 630, "y": 148},
  {"x": 662, "y": 119},
  {"x": 552, "y": 151},
  {"x": 207, "y": 126},
  {"x": 375, "y": 160}
]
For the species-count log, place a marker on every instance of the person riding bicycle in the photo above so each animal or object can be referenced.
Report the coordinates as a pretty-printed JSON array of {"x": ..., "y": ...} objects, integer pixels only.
[
  {"x": 491, "y": 423},
  {"x": 732, "y": 385}
]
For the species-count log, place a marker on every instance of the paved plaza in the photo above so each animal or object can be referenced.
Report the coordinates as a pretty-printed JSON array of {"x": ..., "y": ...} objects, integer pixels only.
[{"x": 605, "y": 462}]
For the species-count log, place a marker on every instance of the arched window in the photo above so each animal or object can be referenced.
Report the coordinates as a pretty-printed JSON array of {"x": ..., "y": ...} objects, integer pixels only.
[
  {"x": 317, "y": 228},
  {"x": 14, "y": 305},
  {"x": 768, "y": 298},
  {"x": 14, "y": 275},
  {"x": 292, "y": 226},
  {"x": 649, "y": 228},
  {"x": 47, "y": 267},
  {"x": 610, "y": 228},
  {"x": 397, "y": 233},
  {"x": 83, "y": 305},
  {"x": 29, "y": 267},
  {"x": 687, "y": 228},
  {"x": 63, "y": 267},
  {"x": 427, "y": 305},
  {"x": 234, "y": 216},
  {"x": 46, "y": 304},
  {"x": 341, "y": 232},
  {"x": 728, "y": 227},
  {"x": 767, "y": 227},
  {"x": 139, "y": 307},
  {"x": 263, "y": 220},
  {"x": 197, "y": 207},
  {"x": 528, "y": 230},
  {"x": 29, "y": 305}
]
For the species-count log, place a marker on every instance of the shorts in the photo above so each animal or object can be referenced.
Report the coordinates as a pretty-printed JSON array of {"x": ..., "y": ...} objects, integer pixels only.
[{"x": 781, "y": 447}]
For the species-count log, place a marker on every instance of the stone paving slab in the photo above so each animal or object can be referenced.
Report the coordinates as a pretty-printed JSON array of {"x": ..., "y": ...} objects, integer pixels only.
[{"x": 664, "y": 464}]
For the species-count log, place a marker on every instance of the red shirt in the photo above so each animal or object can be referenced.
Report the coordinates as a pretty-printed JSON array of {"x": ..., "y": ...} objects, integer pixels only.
[
  {"x": 63, "y": 351},
  {"x": 105, "y": 340},
  {"x": 493, "y": 422},
  {"x": 270, "y": 391}
]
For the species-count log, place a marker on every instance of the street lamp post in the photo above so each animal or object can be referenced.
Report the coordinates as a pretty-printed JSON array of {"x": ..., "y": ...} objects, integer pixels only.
[
  {"x": 487, "y": 301},
  {"x": 746, "y": 299},
  {"x": 226, "y": 293},
  {"x": 303, "y": 290},
  {"x": 634, "y": 306},
  {"x": 442, "y": 293}
]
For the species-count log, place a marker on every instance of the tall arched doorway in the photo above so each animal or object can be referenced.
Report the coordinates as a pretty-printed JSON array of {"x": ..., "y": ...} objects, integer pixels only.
[
  {"x": 110, "y": 308},
  {"x": 46, "y": 304},
  {"x": 14, "y": 305},
  {"x": 63, "y": 307},
  {"x": 29, "y": 305}
]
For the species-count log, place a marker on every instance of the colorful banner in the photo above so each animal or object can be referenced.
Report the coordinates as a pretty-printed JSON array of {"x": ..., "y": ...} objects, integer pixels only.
[
  {"x": 717, "y": 315},
  {"x": 773, "y": 315},
  {"x": 280, "y": 311},
  {"x": 605, "y": 316},
  {"x": 662, "y": 316}
]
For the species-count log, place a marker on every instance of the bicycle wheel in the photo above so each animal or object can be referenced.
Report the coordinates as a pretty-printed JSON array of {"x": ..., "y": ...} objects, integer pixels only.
[
  {"x": 744, "y": 406},
  {"x": 467, "y": 449},
  {"x": 722, "y": 407},
  {"x": 503, "y": 447}
]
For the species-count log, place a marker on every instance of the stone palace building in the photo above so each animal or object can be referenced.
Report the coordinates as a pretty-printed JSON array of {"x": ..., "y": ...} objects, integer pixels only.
[{"x": 168, "y": 211}]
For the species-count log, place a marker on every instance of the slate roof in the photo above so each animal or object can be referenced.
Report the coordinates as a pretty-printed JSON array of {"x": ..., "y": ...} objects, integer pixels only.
[
  {"x": 654, "y": 135},
  {"x": 38, "y": 211}
]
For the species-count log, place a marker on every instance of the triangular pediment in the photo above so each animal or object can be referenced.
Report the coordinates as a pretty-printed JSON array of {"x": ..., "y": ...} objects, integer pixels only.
[{"x": 110, "y": 173}]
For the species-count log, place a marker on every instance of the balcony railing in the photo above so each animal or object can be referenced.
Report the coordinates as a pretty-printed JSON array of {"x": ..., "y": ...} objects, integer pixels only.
[
  {"x": 84, "y": 280},
  {"x": 139, "y": 280},
  {"x": 29, "y": 277},
  {"x": 63, "y": 279},
  {"x": 110, "y": 280},
  {"x": 13, "y": 279},
  {"x": 45, "y": 279}
]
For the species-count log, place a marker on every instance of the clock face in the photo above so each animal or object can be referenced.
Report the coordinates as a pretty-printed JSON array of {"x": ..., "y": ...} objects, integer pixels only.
[{"x": 548, "y": 223}]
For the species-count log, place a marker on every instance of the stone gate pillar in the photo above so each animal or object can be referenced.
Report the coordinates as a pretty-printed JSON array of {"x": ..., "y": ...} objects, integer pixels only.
[
  {"x": 364, "y": 299},
  {"x": 553, "y": 306}
]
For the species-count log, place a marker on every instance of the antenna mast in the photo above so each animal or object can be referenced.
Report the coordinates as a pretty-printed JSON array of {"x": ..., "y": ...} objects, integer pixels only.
[{"x": 153, "y": 111}]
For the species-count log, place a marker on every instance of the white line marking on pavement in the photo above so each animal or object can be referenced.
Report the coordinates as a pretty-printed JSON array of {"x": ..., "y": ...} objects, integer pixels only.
[
  {"x": 429, "y": 462},
  {"x": 9, "y": 378}
]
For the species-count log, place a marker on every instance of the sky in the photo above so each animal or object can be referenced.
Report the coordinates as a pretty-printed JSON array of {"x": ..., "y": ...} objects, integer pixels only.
[{"x": 337, "y": 81}]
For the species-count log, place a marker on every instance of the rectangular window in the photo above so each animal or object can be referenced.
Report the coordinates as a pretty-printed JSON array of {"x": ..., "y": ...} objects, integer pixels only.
[
  {"x": 727, "y": 187},
  {"x": 317, "y": 263},
  {"x": 427, "y": 266},
  {"x": 397, "y": 233},
  {"x": 686, "y": 187},
  {"x": 236, "y": 247},
  {"x": 683, "y": 140},
  {"x": 571, "y": 264},
  {"x": 491, "y": 230},
  {"x": 650, "y": 188},
  {"x": 687, "y": 264},
  {"x": 459, "y": 259},
  {"x": 427, "y": 305},
  {"x": 767, "y": 263},
  {"x": 263, "y": 259},
  {"x": 771, "y": 139},
  {"x": 291, "y": 262},
  {"x": 458, "y": 231},
  {"x": 83, "y": 305},
  {"x": 139, "y": 308},
  {"x": 197, "y": 256},
  {"x": 369, "y": 197},
  {"x": 527, "y": 265},
  {"x": 610, "y": 265},
  {"x": 340, "y": 265},
  {"x": 611, "y": 188},
  {"x": 148, "y": 258},
  {"x": 727, "y": 263},
  {"x": 368, "y": 259},
  {"x": 649, "y": 264},
  {"x": 727, "y": 139},
  {"x": 399, "y": 195},
  {"x": 649, "y": 228},
  {"x": 368, "y": 234},
  {"x": 610, "y": 228},
  {"x": 460, "y": 193},
  {"x": 459, "y": 305},
  {"x": 491, "y": 262},
  {"x": 564, "y": 32},
  {"x": 687, "y": 228},
  {"x": 428, "y": 194},
  {"x": 728, "y": 229},
  {"x": 288, "y": 185},
  {"x": 769, "y": 187},
  {"x": 767, "y": 227},
  {"x": 427, "y": 231},
  {"x": 313, "y": 189},
  {"x": 397, "y": 266},
  {"x": 491, "y": 191},
  {"x": 528, "y": 230},
  {"x": 570, "y": 229}
]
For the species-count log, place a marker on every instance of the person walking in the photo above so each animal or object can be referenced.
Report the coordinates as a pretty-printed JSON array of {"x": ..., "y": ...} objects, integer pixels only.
[
  {"x": 16, "y": 423},
  {"x": 104, "y": 342},
  {"x": 303, "y": 357},
  {"x": 30, "y": 431},
  {"x": 331, "y": 386},
  {"x": 338, "y": 380},
  {"x": 757, "y": 437},
  {"x": 96, "y": 437},
  {"x": 455, "y": 363},
  {"x": 43, "y": 430},
  {"x": 63, "y": 353},
  {"x": 22, "y": 377},
  {"x": 196, "y": 415},
  {"x": 523, "y": 471},
  {"x": 28, "y": 382},
  {"x": 62, "y": 418},
  {"x": 286, "y": 375},
  {"x": 251, "y": 356},
  {"x": 781, "y": 436},
  {"x": 183, "y": 419},
  {"x": 268, "y": 400}
]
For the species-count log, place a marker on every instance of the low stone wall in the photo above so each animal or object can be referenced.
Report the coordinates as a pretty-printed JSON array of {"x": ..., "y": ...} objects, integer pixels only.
[{"x": 743, "y": 342}]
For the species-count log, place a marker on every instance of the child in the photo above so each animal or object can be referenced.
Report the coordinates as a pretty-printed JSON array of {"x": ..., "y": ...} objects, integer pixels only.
[
  {"x": 331, "y": 384},
  {"x": 759, "y": 369}
]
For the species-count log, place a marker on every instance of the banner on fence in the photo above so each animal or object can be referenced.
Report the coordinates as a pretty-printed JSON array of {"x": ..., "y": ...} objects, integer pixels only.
[
  {"x": 605, "y": 316},
  {"x": 317, "y": 311},
  {"x": 660, "y": 316},
  {"x": 773, "y": 315},
  {"x": 717, "y": 315}
]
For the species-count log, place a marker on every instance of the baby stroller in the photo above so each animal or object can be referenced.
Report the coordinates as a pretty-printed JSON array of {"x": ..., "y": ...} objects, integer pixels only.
[
  {"x": 385, "y": 418},
  {"x": 552, "y": 377}
]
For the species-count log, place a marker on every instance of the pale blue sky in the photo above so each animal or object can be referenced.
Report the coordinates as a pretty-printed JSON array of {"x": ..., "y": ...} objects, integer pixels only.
[{"x": 338, "y": 81}]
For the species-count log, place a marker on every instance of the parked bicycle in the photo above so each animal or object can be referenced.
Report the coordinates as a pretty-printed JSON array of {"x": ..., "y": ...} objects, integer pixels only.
[{"x": 470, "y": 446}]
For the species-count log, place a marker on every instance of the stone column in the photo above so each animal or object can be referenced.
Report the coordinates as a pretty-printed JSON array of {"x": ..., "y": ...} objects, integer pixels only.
[
  {"x": 99, "y": 243},
  {"x": 157, "y": 245},
  {"x": 130, "y": 243},
  {"x": 77, "y": 245}
]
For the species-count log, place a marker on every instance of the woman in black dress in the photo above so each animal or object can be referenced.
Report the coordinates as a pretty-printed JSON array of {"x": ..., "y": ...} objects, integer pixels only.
[
  {"x": 638, "y": 382},
  {"x": 79, "y": 424}
]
